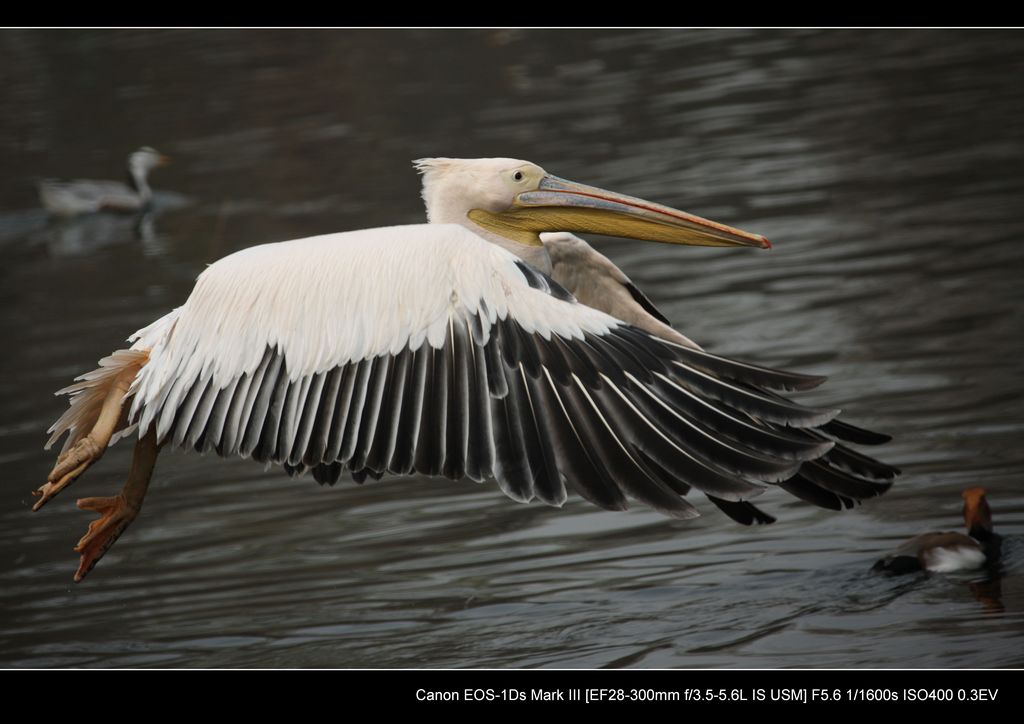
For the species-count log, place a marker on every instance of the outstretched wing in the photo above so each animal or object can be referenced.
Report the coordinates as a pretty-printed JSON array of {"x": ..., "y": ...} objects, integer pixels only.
[{"x": 423, "y": 349}]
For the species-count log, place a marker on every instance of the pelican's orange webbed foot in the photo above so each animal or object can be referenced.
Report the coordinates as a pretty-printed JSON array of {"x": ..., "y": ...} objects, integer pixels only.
[{"x": 117, "y": 512}]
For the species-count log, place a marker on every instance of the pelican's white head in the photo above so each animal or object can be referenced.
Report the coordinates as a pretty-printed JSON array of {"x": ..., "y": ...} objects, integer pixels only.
[
  {"x": 506, "y": 199},
  {"x": 452, "y": 187}
]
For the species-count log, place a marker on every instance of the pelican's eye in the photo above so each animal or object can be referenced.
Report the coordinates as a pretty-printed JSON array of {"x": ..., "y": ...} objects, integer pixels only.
[{"x": 517, "y": 176}]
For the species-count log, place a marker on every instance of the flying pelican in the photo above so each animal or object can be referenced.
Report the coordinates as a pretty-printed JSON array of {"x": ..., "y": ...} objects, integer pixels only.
[
  {"x": 87, "y": 196},
  {"x": 449, "y": 349}
]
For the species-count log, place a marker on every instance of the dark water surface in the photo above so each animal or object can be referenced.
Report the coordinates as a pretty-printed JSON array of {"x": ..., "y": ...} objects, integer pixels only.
[{"x": 885, "y": 166}]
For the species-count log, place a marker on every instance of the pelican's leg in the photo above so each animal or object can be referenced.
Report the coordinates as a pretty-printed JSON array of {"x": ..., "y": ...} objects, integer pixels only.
[
  {"x": 118, "y": 512},
  {"x": 90, "y": 448}
]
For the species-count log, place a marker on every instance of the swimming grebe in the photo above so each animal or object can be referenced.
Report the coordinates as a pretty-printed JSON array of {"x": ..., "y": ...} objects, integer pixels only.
[{"x": 86, "y": 196}]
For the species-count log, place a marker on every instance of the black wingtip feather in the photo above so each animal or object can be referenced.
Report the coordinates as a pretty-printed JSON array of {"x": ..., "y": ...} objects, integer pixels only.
[
  {"x": 742, "y": 511},
  {"x": 857, "y": 435},
  {"x": 809, "y": 492},
  {"x": 640, "y": 298}
]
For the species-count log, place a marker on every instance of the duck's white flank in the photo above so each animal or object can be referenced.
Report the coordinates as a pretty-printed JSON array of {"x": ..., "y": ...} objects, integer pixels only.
[{"x": 948, "y": 560}]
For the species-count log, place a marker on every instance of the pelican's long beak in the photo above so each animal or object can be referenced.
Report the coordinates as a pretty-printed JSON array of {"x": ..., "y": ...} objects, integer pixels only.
[{"x": 560, "y": 205}]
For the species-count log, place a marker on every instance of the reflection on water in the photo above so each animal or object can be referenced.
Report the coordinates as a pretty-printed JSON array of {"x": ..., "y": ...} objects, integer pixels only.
[{"x": 885, "y": 166}]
